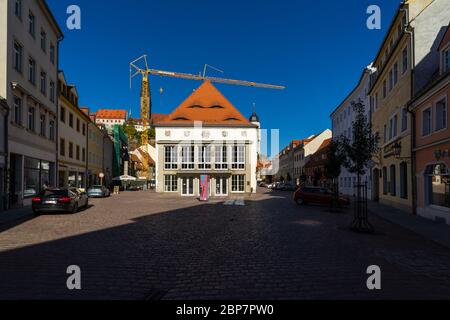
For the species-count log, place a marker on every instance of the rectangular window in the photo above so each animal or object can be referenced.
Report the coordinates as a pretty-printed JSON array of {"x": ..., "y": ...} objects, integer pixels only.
[
  {"x": 32, "y": 70},
  {"x": 18, "y": 111},
  {"x": 83, "y": 155},
  {"x": 18, "y": 56},
  {"x": 446, "y": 60},
  {"x": 62, "y": 115},
  {"x": 78, "y": 125},
  {"x": 31, "y": 118},
  {"x": 391, "y": 79},
  {"x": 43, "y": 41},
  {"x": 170, "y": 183},
  {"x": 71, "y": 119},
  {"x": 238, "y": 183},
  {"x": 62, "y": 147},
  {"x": 385, "y": 134},
  {"x": 84, "y": 129},
  {"x": 18, "y": 9},
  {"x": 204, "y": 155},
  {"x": 31, "y": 24},
  {"x": 426, "y": 122},
  {"x": 78, "y": 153},
  {"x": 438, "y": 190},
  {"x": 404, "y": 119},
  {"x": 70, "y": 150},
  {"x": 395, "y": 71},
  {"x": 393, "y": 127},
  {"x": 52, "y": 130},
  {"x": 384, "y": 89},
  {"x": 187, "y": 158},
  {"x": 404, "y": 180},
  {"x": 221, "y": 157},
  {"x": 238, "y": 157},
  {"x": 405, "y": 60},
  {"x": 52, "y": 91},
  {"x": 393, "y": 184},
  {"x": 52, "y": 53},
  {"x": 441, "y": 115},
  {"x": 385, "y": 181},
  {"x": 42, "y": 125},
  {"x": 43, "y": 83},
  {"x": 170, "y": 158}
]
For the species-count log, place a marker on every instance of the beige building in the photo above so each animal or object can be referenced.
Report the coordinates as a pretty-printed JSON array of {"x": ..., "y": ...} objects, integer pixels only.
[
  {"x": 72, "y": 137},
  {"x": 402, "y": 67},
  {"x": 29, "y": 39}
]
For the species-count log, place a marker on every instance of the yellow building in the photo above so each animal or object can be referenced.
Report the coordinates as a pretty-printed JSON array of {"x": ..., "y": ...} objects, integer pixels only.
[{"x": 402, "y": 67}]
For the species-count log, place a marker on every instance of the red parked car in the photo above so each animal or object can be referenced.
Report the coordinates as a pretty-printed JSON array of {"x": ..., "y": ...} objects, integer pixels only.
[{"x": 318, "y": 195}]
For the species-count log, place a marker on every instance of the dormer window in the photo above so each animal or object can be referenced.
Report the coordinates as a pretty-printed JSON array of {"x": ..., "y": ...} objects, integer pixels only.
[
  {"x": 446, "y": 59},
  {"x": 216, "y": 107},
  {"x": 231, "y": 119},
  {"x": 181, "y": 119},
  {"x": 196, "y": 107}
]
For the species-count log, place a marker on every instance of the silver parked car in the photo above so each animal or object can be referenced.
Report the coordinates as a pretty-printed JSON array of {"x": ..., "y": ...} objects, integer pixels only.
[{"x": 98, "y": 192}]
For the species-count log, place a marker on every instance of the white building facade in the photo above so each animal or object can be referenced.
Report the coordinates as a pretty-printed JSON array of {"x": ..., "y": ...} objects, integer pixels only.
[
  {"x": 342, "y": 120},
  {"x": 29, "y": 41},
  {"x": 206, "y": 136}
]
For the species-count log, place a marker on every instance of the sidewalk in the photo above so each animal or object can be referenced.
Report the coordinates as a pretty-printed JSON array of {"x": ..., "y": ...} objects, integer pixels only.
[
  {"x": 437, "y": 232},
  {"x": 15, "y": 214}
]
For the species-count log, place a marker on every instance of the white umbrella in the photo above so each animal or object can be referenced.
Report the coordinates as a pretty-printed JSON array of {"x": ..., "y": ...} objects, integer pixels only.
[{"x": 125, "y": 178}]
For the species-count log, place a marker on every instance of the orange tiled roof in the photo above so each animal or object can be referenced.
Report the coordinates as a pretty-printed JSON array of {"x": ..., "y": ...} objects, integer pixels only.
[
  {"x": 325, "y": 144},
  {"x": 111, "y": 114},
  {"x": 208, "y": 105}
]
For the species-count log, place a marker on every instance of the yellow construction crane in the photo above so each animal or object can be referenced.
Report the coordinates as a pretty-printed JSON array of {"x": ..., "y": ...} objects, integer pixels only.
[{"x": 145, "y": 107}]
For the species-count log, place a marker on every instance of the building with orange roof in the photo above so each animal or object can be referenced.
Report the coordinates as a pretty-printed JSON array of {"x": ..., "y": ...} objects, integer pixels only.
[
  {"x": 206, "y": 136},
  {"x": 109, "y": 117},
  {"x": 315, "y": 166}
]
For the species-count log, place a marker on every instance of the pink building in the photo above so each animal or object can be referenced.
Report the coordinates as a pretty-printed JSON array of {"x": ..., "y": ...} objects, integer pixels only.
[{"x": 432, "y": 141}]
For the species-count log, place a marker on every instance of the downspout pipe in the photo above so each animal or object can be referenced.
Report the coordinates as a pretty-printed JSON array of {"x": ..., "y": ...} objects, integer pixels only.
[
  {"x": 58, "y": 90},
  {"x": 413, "y": 117},
  {"x": 5, "y": 178}
]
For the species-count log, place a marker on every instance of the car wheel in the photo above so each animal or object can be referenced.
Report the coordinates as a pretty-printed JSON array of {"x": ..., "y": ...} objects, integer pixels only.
[{"x": 35, "y": 213}]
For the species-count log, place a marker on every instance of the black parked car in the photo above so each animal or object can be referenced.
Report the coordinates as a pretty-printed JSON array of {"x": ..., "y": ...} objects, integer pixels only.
[{"x": 60, "y": 200}]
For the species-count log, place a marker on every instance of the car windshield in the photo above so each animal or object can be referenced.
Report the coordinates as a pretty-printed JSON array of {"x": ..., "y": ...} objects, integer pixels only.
[{"x": 49, "y": 193}]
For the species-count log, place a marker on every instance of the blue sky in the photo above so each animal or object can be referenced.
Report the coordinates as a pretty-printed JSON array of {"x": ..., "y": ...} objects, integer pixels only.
[{"x": 317, "y": 49}]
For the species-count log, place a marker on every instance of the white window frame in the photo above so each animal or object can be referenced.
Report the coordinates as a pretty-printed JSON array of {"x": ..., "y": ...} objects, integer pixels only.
[
  {"x": 430, "y": 121},
  {"x": 238, "y": 157},
  {"x": 18, "y": 110},
  {"x": 205, "y": 157},
  {"x": 187, "y": 157},
  {"x": 236, "y": 183},
  {"x": 444, "y": 98},
  {"x": 445, "y": 67},
  {"x": 404, "y": 111},
  {"x": 221, "y": 158},
  {"x": 18, "y": 56},
  {"x": 171, "y": 158},
  {"x": 393, "y": 125}
]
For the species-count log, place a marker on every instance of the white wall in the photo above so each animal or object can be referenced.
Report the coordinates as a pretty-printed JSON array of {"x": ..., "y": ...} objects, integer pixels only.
[{"x": 189, "y": 134}]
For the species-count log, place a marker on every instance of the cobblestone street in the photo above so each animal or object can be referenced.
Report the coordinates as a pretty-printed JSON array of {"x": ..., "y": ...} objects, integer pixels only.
[{"x": 152, "y": 246}]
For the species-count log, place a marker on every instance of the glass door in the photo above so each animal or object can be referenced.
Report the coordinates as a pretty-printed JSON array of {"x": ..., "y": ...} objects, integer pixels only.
[
  {"x": 221, "y": 186},
  {"x": 187, "y": 188}
]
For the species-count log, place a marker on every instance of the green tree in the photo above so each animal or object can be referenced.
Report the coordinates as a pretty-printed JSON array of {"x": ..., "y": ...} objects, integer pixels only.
[
  {"x": 359, "y": 151},
  {"x": 333, "y": 167}
]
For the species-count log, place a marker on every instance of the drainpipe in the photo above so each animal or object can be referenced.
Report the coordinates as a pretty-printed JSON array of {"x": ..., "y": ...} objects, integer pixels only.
[
  {"x": 5, "y": 178},
  {"x": 58, "y": 90},
  {"x": 413, "y": 118}
]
